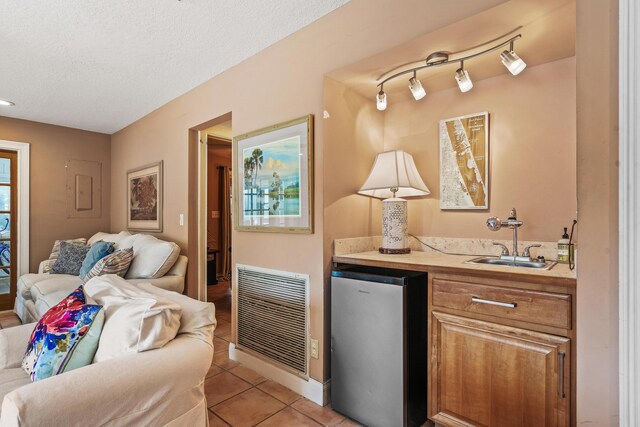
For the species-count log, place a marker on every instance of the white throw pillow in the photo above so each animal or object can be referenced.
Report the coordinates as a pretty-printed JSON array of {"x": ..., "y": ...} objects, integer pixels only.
[
  {"x": 135, "y": 320},
  {"x": 152, "y": 257},
  {"x": 108, "y": 237}
]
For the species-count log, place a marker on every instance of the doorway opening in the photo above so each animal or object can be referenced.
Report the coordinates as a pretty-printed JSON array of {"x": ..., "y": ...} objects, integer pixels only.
[{"x": 219, "y": 215}]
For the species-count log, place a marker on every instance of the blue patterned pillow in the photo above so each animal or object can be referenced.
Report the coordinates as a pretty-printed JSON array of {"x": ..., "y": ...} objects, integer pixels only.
[
  {"x": 70, "y": 259},
  {"x": 65, "y": 338},
  {"x": 98, "y": 251}
]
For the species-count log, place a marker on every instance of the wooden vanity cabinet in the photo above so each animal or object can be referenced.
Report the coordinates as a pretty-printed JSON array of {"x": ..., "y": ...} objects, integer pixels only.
[{"x": 501, "y": 351}]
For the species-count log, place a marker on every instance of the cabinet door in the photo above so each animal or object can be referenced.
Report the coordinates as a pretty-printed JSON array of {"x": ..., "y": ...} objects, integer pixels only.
[{"x": 484, "y": 374}]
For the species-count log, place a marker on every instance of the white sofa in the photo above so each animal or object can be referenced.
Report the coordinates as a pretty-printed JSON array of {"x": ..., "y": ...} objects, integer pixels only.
[
  {"x": 163, "y": 387},
  {"x": 38, "y": 292}
]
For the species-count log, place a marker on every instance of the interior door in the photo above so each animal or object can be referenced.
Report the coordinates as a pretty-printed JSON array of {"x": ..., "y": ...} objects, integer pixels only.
[{"x": 8, "y": 228}]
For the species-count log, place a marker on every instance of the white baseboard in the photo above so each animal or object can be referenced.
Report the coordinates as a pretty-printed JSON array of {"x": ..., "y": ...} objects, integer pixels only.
[{"x": 313, "y": 390}]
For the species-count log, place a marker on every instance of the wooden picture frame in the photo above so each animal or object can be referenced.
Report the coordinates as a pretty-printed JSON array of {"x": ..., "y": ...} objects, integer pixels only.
[
  {"x": 145, "y": 198},
  {"x": 273, "y": 185}
]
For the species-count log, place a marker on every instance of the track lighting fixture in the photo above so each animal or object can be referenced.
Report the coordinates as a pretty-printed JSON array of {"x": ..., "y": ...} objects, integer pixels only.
[
  {"x": 416, "y": 88},
  {"x": 381, "y": 100},
  {"x": 509, "y": 58},
  {"x": 462, "y": 77},
  {"x": 512, "y": 61}
]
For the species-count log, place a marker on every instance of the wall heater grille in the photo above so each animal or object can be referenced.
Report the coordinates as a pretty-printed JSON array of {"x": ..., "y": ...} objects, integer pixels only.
[{"x": 273, "y": 315}]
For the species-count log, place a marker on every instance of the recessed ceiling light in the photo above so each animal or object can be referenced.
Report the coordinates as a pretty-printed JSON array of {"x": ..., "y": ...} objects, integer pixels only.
[{"x": 5, "y": 103}]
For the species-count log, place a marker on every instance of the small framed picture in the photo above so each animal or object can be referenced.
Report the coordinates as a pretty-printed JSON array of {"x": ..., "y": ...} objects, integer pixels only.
[
  {"x": 144, "y": 197},
  {"x": 464, "y": 162},
  {"x": 274, "y": 178}
]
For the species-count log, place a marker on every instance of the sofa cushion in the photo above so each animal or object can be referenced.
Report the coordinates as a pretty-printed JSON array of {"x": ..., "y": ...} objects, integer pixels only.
[
  {"x": 98, "y": 250},
  {"x": 197, "y": 316},
  {"x": 64, "y": 283},
  {"x": 12, "y": 379},
  {"x": 152, "y": 257},
  {"x": 116, "y": 263},
  {"x": 27, "y": 281},
  {"x": 135, "y": 320},
  {"x": 108, "y": 237},
  {"x": 70, "y": 259},
  {"x": 65, "y": 338}
]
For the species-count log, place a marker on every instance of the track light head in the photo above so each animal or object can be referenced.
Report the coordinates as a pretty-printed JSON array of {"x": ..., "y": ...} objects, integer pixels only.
[
  {"x": 512, "y": 61},
  {"x": 416, "y": 88},
  {"x": 464, "y": 81},
  {"x": 381, "y": 100}
]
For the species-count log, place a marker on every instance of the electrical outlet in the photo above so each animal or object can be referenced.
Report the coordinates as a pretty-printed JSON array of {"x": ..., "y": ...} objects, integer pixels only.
[{"x": 314, "y": 348}]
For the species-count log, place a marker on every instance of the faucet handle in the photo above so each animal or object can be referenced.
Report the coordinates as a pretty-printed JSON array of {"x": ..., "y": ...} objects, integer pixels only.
[
  {"x": 505, "y": 250},
  {"x": 526, "y": 251}
]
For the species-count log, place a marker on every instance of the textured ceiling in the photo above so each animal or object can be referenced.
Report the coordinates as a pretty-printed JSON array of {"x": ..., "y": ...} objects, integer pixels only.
[{"x": 101, "y": 65}]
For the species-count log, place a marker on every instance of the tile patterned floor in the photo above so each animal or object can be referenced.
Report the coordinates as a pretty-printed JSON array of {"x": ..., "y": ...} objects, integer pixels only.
[{"x": 238, "y": 396}]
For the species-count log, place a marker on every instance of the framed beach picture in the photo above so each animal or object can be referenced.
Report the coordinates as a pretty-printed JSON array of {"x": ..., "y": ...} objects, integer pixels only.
[
  {"x": 464, "y": 162},
  {"x": 274, "y": 178},
  {"x": 144, "y": 198}
]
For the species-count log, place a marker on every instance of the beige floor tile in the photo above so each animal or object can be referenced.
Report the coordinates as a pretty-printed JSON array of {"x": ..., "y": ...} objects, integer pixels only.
[
  {"x": 322, "y": 414},
  {"x": 214, "y": 370},
  {"x": 279, "y": 391},
  {"x": 223, "y": 329},
  {"x": 289, "y": 417},
  {"x": 222, "y": 360},
  {"x": 249, "y": 375},
  {"x": 349, "y": 423},
  {"x": 220, "y": 346},
  {"x": 215, "y": 421},
  {"x": 224, "y": 315},
  {"x": 223, "y": 386},
  {"x": 248, "y": 408}
]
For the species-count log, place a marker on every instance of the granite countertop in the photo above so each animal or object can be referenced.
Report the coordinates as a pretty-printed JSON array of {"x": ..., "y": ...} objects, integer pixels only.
[{"x": 421, "y": 260}]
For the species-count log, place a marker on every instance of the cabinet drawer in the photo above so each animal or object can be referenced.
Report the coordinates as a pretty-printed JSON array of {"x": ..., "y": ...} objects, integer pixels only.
[{"x": 543, "y": 308}]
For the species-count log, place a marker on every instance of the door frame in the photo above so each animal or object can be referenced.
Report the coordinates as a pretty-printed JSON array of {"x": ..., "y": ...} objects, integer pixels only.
[
  {"x": 629, "y": 225},
  {"x": 197, "y": 216},
  {"x": 22, "y": 149}
]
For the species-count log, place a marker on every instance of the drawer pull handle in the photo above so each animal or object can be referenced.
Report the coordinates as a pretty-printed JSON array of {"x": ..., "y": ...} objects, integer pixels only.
[
  {"x": 561, "y": 375},
  {"x": 490, "y": 302}
]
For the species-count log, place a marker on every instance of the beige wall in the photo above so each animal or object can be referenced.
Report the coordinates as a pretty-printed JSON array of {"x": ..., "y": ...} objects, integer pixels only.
[
  {"x": 280, "y": 83},
  {"x": 532, "y": 146},
  {"x": 50, "y": 149},
  {"x": 597, "y": 131}
]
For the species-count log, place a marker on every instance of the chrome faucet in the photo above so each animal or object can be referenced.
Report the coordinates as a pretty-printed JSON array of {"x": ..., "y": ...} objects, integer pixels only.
[{"x": 494, "y": 223}]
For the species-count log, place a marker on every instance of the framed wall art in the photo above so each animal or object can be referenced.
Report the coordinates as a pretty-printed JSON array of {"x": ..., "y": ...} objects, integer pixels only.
[
  {"x": 274, "y": 178},
  {"x": 144, "y": 198},
  {"x": 464, "y": 162}
]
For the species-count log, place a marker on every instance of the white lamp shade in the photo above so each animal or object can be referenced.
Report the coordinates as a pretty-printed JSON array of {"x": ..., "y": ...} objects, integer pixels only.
[{"x": 394, "y": 169}]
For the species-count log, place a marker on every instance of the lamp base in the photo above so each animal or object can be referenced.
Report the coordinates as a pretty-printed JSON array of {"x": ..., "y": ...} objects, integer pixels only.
[{"x": 394, "y": 251}]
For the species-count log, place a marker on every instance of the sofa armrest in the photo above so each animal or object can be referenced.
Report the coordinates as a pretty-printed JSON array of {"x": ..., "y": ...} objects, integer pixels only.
[
  {"x": 149, "y": 388},
  {"x": 13, "y": 344}
]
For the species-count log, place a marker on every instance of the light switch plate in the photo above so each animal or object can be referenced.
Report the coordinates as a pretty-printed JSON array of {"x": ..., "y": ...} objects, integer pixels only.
[
  {"x": 314, "y": 348},
  {"x": 181, "y": 219}
]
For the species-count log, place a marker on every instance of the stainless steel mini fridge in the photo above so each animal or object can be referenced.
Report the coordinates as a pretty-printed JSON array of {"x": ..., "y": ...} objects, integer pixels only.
[{"x": 379, "y": 346}]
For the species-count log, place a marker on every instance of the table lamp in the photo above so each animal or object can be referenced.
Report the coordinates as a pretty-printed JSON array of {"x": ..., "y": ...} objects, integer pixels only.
[{"x": 394, "y": 175}]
